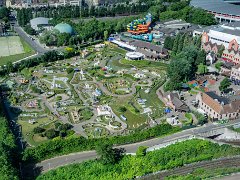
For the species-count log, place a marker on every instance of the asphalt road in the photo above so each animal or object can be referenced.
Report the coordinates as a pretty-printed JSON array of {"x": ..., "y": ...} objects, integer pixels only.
[
  {"x": 56, "y": 162},
  {"x": 232, "y": 177},
  {"x": 39, "y": 49},
  {"x": 130, "y": 148}
]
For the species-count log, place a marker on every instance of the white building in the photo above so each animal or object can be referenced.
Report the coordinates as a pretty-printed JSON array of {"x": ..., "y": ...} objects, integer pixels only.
[
  {"x": 39, "y": 21},
  {"x": 104, "y": 111},
  {"x": 221, "y": 35},
  {"x": 134, "y": 56}
]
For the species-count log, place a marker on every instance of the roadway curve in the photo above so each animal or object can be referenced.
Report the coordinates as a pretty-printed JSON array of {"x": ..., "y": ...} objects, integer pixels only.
[
  {"x": 56, "y": 162},
  {"x": 59, "y": 161}
]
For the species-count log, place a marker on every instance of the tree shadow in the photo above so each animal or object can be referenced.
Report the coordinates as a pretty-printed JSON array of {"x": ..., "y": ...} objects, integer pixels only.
[{"x": 30, "y": 171}]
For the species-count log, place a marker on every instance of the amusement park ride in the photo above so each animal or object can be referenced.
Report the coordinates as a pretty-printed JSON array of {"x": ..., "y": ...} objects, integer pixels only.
[{"x": 139, "y": 28}]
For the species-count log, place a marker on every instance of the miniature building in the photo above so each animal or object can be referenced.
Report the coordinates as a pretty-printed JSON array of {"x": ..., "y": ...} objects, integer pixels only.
[
  {"x": 134, "y": 56},
  {"x": 103, "y": 110},
  {"x": 211, "y": 58},
  {"x": 210, "y": 47}
]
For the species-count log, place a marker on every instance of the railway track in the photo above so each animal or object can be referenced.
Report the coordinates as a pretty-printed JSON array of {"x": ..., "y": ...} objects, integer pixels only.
[{"x": 216, "y": 163}]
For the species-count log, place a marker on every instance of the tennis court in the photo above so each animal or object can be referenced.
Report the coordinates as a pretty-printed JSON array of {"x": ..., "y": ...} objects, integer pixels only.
[{"x": 10, "y": 45}]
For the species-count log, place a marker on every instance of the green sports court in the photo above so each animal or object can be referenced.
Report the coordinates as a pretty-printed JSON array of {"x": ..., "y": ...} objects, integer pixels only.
[{"x": 10, "y": 45}]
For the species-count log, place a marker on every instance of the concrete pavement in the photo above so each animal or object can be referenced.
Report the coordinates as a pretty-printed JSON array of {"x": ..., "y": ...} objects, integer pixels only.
[{"x": 231, "y": 177}]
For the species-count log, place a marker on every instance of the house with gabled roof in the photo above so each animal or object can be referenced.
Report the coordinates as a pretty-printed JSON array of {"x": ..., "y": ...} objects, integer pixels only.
[{"x": 217, "y": 107}]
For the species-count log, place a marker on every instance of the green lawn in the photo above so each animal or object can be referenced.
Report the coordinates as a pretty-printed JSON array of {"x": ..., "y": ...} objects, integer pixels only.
[
  {"x": 133, "y": 118},
  {"x": 27, "y": 130},
  {"x": 117, "y": 50},
  {"x": 153, "y": 101},
  {"x": 145, "y": 63},
  {"x": 236, "y": 129},
  {"x": 27, "y": 72},
  {"x": 114, "y": 63},
  {"x": 86, "y": 114}
]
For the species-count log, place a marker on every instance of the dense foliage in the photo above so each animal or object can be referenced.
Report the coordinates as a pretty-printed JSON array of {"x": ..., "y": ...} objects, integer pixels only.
[
  {"x": 108, "y": 154},
  {"x": 183, "y": 66},
  {"x": 85, "y": 31},
  {"x": 69, "y": 145},
  {"x": 132, "y": 166},
  {"x": 63, "y": 12},
  {"x": 189, "y": 14},
  {"x": 4, "y": 12},
  {"x": 224, "y": 85},
  {"x": 7, "y": 151}
]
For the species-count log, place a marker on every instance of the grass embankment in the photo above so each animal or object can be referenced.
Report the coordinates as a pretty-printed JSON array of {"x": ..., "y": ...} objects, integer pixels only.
[
  {"x": 28, "y": 51},
  {"x": 130, "y": 167}
]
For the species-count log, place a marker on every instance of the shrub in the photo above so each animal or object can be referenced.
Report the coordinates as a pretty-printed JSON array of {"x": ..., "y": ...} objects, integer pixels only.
[
  {"x": 38, "y": 130},
  {"x": 51, "y": 133},
  {"x": 141, "y": 151},
  {"x": 122, "y": 109}
]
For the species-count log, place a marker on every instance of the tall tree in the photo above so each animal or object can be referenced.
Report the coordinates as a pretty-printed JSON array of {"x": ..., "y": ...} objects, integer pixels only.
[
  {"x": 175, "y": 44},
  {"x": 202, "y": 69},
  {"x": 180, "y": 43},
  {"x": 168, "y": 43},
  {"x": 107, "y": 154},
  {"x": 224, "y": 85}
]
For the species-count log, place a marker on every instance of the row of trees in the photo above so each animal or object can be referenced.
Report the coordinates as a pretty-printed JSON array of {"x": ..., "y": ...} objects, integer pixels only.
[
  {"x": 63, "y": 12},
  {"x": 176, "y": 44},
  {"x": 187, "y": 59},
  {"x": 69, "y": 145},
  {"x": 130, "y": 167},
  {"x": 8, "y": 151},
  {"x": 24, "y": 16},
  {"x": 189, "y": 14},
  {"x": 85, "y": 31}
]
